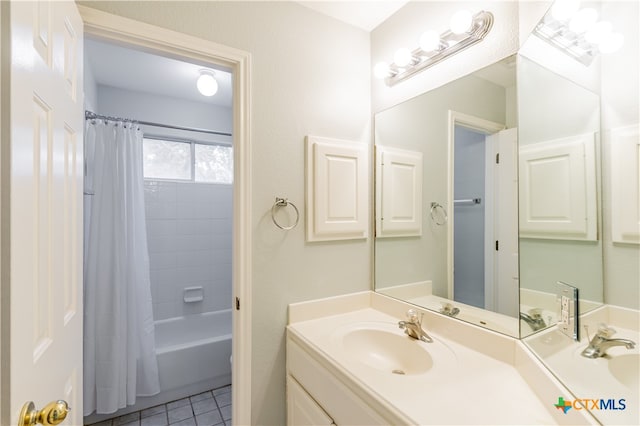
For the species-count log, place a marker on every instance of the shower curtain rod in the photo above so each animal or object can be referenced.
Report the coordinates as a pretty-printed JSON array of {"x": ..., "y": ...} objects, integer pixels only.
[{"x": 91, "y": 115}]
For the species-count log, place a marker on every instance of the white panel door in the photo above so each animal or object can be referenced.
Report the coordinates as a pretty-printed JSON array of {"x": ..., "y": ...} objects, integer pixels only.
[
  {"x": 558, "y": 189},
  {"x": 506, "y": 224},
  {"x": 46, "y": 206},
  {"x": 398, "y": 192}
]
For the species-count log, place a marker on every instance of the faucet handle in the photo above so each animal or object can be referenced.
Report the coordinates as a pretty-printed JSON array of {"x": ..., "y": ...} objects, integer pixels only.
[
  {"x": 412, "y": 316},
  {"x": 535, "y": 312},
  {"x": 605, "y": 331}
]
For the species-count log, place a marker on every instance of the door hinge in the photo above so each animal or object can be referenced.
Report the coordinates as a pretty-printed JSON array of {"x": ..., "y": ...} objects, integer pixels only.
[
  {"x": 237, "y": 304},
  {"x": 497, "y": 245},
  {"x": 498, "y": 158}
]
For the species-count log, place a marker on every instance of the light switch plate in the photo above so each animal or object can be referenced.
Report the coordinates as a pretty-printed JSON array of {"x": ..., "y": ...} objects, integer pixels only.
[{"x": 568, "y": 310}]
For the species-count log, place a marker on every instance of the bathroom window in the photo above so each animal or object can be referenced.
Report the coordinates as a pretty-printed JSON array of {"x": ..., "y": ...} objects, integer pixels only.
[{"x": 187, "y": 161}]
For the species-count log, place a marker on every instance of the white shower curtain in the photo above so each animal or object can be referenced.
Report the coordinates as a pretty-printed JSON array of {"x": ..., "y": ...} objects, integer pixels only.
[{"x": 119, "y": 346}]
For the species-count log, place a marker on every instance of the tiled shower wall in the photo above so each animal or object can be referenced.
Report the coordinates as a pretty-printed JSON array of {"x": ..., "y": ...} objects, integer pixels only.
[{"x": 189, "y": 229}]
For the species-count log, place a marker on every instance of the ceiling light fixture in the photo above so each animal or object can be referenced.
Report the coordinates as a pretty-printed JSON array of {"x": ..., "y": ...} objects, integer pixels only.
[
  {"x": 577, "y": 32},
  {"x": 466, "y": 30},
  {"x": 207, "y": 84}
]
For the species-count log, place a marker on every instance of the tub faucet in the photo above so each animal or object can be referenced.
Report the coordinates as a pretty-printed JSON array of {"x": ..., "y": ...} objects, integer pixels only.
[
  {"x": 413, "y": 327},
  {"x": 601, "y": 342},
  {"x": 534, "y": 319}
]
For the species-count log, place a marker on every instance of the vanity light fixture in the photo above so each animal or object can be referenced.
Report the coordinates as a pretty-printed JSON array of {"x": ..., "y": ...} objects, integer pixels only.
[
  {"x": 577, "y": 32},
  {"x": 465, "y": 31},
  {"x": 207, "y": 84}
]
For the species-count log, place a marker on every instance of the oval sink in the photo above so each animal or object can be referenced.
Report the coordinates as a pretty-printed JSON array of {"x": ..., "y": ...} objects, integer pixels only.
[
  {"x": 625, "y": 369},
  {"x": 386, "y": 351}
]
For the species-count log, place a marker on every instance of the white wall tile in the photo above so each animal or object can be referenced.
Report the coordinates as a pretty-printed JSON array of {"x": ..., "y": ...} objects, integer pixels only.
[{"x": 190, "y": 244}]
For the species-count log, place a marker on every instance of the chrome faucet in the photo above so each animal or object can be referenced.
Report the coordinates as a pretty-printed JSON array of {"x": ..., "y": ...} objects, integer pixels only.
[
  {"x": 601, "y": 342},
  {"x": 534, "y": 319},
  {"x": 449, "y": 310},
  {"x": 413, "y": 327}
]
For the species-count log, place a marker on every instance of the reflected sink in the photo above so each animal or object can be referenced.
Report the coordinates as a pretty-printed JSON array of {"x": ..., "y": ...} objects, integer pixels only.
[
  {"x": 625, "y": 369},
  {"x": 388, "y": 352}
]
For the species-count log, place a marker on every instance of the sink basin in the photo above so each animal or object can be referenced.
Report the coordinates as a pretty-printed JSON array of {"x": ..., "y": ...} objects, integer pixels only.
[
  {"x": 388, "y": 352},
  {"x": 625, "y": 369}
]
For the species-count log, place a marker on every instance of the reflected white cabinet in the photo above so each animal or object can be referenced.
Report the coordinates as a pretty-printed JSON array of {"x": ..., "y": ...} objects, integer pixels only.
[
  {"x": 398, "y": 192},
  {"x": 558, "y": 189},
  {"x": 337, "y": 190},
  {"x": 302, "y": 409},
  {"x": 625, "y": 185}
]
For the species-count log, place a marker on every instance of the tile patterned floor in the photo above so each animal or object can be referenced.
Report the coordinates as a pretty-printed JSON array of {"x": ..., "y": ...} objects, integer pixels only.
[{"x": 211, "y": 408}]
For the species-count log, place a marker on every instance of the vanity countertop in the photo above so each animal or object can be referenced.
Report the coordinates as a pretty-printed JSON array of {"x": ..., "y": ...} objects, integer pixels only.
[{"x": 462, "y": 386}]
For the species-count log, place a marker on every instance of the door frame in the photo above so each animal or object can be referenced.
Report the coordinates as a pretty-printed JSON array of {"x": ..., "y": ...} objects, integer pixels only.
[
  {"x": 476, "y": 124},
  {"x": 135, "y": 33}
]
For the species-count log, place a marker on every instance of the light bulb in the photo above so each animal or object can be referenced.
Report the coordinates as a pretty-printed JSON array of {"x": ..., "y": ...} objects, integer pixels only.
[
  {"x": 562, "y": 10},
  {"x": 429, "y": 41},
  {"x": 402, "y": 57},
  {"x": 461, "y": 22},
  {"x": 583, "y": 20},
  {"x": 381, "y": 70},
  {"x": 598, "y": 32},
  {"x": 611, "y": 43},
  {"x": 207, "y": 84}
]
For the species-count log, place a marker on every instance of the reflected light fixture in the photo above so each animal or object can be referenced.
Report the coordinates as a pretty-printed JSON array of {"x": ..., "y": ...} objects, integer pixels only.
[
  {"x": 207, "y": 84},
  {"x": 465, "y": 30},
  {"x": 577, "y": 32}
]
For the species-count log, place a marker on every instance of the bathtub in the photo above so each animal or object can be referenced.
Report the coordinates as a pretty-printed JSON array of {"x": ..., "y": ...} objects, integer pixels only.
[
  {"x": 193, "y": 356},
  {"x": 193, "y": 353}
]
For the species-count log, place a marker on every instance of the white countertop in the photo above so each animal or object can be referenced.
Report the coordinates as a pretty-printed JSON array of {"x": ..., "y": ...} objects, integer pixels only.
[{"x": 463, "y": 386}]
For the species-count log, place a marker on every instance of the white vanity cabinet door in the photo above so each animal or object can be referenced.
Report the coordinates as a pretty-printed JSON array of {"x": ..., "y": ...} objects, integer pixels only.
[{"x": 302, "y": 409}]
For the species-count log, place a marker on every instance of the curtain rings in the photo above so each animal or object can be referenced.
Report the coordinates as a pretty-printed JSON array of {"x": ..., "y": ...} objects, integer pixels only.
[
  {"x": 434, "y": 216},
  {"x": 283, "y": 202}
]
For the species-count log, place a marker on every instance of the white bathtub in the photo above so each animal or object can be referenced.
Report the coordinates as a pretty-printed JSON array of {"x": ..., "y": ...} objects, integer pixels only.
[
  {"x": 193, "y": 356},
  {"x": 193, "y": 352}
]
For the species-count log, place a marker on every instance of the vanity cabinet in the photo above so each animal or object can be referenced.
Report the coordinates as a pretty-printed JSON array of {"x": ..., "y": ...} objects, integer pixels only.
[
  {"x": 319, "y": 394},
  {"x": 302, "y": 409}
]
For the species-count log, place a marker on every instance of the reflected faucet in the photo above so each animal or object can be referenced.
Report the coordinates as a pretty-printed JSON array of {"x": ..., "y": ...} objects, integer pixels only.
[
  {"x": 601, "y": 342},
  {"x": 413, "y": 327},
  {"x": 534, "y": 319},
  {"x": 449, "y": 310}
]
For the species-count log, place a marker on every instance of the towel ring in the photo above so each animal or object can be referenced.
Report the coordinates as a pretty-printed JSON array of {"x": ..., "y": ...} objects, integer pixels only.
[
  {"x": 434, "y": 207},
  {"x": 283, "y": 202}
]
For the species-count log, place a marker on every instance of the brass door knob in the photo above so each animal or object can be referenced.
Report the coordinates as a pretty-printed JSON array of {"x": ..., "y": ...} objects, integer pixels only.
[{"x": 52, "y": 414}]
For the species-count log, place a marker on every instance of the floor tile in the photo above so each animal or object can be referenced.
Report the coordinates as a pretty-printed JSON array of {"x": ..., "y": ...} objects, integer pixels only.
[
  {"x": 180, "y": 413},
  {"x": 223, "y": 399},
  {"x": 226, "y": 412},
  {"x": 103, "y": 423},
  {"x": 159, "y": 419},
  {"x": 132, "y": 423},
  {"x": 224, "y": 389},
  {"x": 127, "y": 418},
  {"x": 204, "y": 406},
  {"x": 153, "y": 411},
  {"x": 179, "y": 403},
  {"x": 186, "y": 422},
  {"x": 211, "y": 418},
  {"x": 201, "y": 396}
]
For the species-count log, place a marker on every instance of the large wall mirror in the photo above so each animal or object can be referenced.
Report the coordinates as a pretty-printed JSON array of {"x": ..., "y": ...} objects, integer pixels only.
[
  {"x": 450, "y": 164},
  {"x": 446, "y": 198},
  {"x": 496, "y": 190}
]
